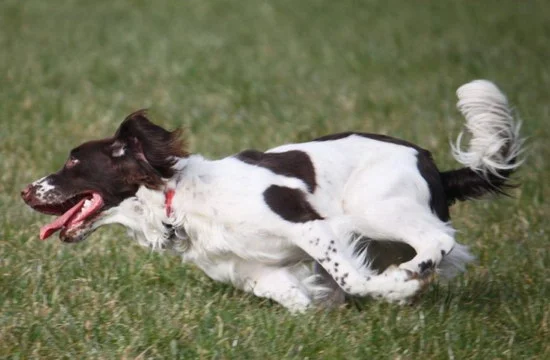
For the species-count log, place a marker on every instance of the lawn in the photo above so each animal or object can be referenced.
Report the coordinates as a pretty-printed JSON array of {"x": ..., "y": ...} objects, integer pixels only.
[{"x": 254, "y": 74}]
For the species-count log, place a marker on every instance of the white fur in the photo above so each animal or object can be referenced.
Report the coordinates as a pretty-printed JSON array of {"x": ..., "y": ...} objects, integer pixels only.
[
  {"x": 455, "y": 262},
  {"x": 491, "y": 124}
]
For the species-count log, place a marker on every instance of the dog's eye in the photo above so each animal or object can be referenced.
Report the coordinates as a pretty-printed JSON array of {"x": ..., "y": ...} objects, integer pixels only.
[{"x": 71, "y": 162}]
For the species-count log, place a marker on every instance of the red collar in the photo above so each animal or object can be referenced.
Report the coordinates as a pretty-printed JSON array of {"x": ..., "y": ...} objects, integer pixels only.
[{"x": 168, "y": 196}]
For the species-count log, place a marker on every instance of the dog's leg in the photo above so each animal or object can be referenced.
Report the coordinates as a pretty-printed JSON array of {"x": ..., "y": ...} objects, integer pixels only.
[
  {"x": 336, "y": 254},
  {"x": 331, "y": 295},
  {"x": 414, "y": 225},
  {"x": 278, "y": 284}
]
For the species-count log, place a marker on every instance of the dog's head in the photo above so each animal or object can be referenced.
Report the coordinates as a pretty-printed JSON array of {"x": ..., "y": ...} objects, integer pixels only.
[{"x": 100, "y": 174}]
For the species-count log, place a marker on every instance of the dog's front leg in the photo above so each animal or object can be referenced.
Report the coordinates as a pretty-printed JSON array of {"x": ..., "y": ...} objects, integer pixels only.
[
  {"x": 337, "y": 256},
  {"x": 278, "y": 284}
]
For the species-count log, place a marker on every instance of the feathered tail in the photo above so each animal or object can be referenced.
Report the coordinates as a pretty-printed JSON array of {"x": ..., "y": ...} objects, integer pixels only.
[{"x": 494, "y": 147}]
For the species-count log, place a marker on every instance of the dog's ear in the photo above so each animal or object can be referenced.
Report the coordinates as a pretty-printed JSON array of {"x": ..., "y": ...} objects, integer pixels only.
[
  {"x": 148, "y": 142},
  {"x": 137, "y": 124}
]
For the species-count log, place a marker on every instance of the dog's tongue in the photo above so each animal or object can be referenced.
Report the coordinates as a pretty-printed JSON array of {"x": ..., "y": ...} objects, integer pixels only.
[{"x": 47, "y": 230}]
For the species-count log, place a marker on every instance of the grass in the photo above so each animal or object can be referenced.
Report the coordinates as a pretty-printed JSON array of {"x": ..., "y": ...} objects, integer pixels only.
[{"x": 257, "y": 74}]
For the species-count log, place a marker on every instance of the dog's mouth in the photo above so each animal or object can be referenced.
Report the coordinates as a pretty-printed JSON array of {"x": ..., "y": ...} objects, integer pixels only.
[{"x": 75, "y": 214}]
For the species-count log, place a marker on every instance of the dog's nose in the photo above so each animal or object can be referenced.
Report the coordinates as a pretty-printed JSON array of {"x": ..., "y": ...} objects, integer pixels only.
[{"x": 26, "y": 192}]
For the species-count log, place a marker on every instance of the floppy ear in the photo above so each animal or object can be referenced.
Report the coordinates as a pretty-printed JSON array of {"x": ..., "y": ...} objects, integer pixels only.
[
  {"x": 150, "y": 143},
  {"x": 138, "y": 125}
]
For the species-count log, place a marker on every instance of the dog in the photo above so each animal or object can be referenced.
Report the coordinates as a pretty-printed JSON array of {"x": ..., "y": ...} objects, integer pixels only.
[{"x": 306, "y": 224}]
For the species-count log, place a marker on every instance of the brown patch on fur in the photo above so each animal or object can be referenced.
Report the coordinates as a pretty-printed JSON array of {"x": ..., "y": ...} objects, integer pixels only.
[
  {"x": 290, "y": 204},
  {"x": 293, "y": 163}
]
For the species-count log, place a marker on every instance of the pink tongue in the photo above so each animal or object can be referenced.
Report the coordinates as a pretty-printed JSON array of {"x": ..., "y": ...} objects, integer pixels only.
[{"x": 47, "y": 230}]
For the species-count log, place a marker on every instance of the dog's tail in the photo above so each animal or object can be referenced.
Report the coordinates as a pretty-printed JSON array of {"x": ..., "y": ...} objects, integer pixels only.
[{"x": 494, "y": 146}]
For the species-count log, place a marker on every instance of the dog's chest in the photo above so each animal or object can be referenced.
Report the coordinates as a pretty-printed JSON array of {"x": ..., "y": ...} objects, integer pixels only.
[
  {"x": 223, "y": 249},
  {"x": 226, "y": 255}
]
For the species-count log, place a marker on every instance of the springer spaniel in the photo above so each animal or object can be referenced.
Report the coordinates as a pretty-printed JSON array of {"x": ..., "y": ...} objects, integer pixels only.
[{"x": 346, "y": 214}]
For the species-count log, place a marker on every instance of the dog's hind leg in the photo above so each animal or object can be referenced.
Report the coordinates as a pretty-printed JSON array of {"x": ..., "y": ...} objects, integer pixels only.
[{"x": 412, "y": 224}]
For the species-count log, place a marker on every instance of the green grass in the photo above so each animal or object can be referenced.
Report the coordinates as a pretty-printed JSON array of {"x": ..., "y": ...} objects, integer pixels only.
[{"x": 257, "y": 74}]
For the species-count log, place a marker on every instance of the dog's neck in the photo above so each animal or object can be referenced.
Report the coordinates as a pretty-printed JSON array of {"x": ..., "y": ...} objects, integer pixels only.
[{"x": 148, "y": 215}]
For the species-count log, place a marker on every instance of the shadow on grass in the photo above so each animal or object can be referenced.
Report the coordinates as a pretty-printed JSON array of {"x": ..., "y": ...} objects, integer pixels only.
[{"x": 474, "y": 295}]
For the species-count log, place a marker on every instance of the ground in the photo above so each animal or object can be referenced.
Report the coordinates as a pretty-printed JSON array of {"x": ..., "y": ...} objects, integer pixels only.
[{"x": 255, "y": 74}]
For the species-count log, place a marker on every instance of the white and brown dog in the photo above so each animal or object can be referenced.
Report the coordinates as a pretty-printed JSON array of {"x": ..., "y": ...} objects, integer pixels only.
[{"x": 350, "y": 213}]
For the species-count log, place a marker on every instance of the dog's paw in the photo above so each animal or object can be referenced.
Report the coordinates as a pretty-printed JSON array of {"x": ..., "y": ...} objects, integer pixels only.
[
  {"x": 402, "y": 285},
  {"x": 295, "y": 301}
]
